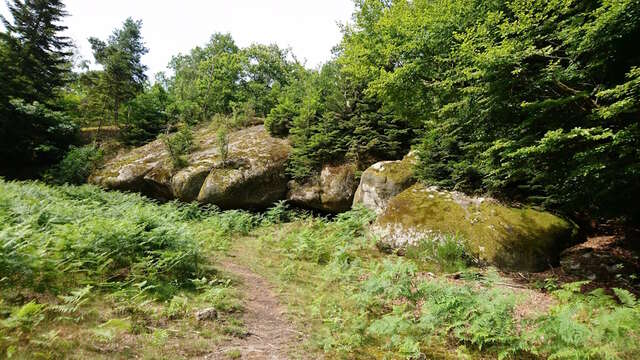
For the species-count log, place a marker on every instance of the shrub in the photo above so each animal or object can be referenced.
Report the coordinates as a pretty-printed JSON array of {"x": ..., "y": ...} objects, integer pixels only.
[
  {"x": 145, "y": 116},
  {"x": 222, "y": 136},
  {"x": 449, "y": 252},
  {"x": 179, "y": 145},
  {"x": 278, "y": 214},
  {"x": 76, "y": 166}
]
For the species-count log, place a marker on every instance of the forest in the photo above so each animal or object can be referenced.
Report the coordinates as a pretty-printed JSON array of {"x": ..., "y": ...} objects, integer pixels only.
[{"x": 122, "y": 236}]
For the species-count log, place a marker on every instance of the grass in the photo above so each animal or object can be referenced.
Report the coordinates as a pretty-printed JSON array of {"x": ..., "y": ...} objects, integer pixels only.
[
  {"x": 86, "y": 273},
  {"x": 358, "y": 303},
  {"x": 91, "y": 274}
]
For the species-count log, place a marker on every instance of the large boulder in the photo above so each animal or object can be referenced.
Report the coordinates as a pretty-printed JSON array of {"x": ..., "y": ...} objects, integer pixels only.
[
  {"x": 252, "y": 176},
  {"x": 384, "y": 180},
  {"x": 519, "y": 239},
  {"x": 330, "y": 191},
  {"x": 127, "y": 171}
]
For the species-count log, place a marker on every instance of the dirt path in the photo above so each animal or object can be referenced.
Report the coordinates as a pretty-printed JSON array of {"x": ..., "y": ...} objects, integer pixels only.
[{"x": 271, "y": 335}]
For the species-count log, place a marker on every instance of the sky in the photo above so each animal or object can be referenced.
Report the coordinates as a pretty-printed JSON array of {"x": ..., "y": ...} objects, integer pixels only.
[{"x": 309, "y": 27}]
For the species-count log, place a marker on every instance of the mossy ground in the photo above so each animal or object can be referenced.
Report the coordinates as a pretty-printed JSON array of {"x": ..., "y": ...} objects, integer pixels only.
[{"x": 400, "y": 172}]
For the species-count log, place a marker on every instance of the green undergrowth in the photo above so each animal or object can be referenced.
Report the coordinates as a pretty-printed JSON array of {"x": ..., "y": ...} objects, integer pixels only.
[
  {"x": 86, "y": 273},
  {"x": 358, "y": 303}
]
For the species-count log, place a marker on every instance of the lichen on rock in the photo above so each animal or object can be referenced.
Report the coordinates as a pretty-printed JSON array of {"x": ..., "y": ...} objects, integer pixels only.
[
  {"x": 254, "y": 175},
  {"x": 331, "y": 191},
  {"x": 383, "y": 180}
]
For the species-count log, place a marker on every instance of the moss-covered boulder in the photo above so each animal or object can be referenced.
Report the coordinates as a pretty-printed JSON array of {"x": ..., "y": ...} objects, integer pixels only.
[
  {"x": 330, "y": 191},
  {"x": 521, "y": 239},
  {"x": 384, "y": 180},
  {"x": 128, "y": 170},
  {"x": 253, "y": 175}
]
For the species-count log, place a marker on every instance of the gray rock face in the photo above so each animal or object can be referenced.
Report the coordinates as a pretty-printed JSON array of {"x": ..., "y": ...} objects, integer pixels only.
[
  {"x": 384, "y": 180},
  {"x": 127, "y": 171},
  {"x": 253, "y": 176},
  {"x": 331, "y": 191}
]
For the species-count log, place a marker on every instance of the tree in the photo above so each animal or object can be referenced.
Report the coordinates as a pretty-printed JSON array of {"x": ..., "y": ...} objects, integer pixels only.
[
  {"x": 534, "y": 101},
  {"x": 146, "y": 116},
  {"x": 34, "y": 59},
  {"x": 287, "y": 105},
  {"x": 38, "y": 52},
  {"x": 121, "y": 57},
  {"x": 266, "y": 71},
  {"x": 221, "y": 78},
  {"x": 337, "y": 121}
]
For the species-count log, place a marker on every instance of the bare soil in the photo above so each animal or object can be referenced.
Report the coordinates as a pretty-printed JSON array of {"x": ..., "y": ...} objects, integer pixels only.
[
  {"x": 271, "y": 335},
  {"x": 606, "y": 260}
]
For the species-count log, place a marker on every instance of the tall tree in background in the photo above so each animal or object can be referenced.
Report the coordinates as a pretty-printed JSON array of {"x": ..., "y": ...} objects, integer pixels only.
[
  {"x": 206, "y": 81},
  {"x": 536, "y": 101},
  {"x": 34, "y": 58},
  {"x": 124, "y": 74},
  {"x": 38, "y": 52}
]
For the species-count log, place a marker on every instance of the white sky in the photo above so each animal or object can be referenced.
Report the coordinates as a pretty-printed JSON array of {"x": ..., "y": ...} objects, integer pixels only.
[{"x": 309, "y": 27}]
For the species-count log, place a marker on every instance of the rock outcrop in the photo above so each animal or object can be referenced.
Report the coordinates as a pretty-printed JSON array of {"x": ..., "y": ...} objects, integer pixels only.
[
  {"x": 384, "y": 180},
  {"x": 330, "y": 191},
  {"x": 511, "y": 238},
  {"x": 253, "y": 175}
]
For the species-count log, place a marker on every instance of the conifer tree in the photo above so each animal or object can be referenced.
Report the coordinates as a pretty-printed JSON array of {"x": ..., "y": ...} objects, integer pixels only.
[
  {"x": 34, "y": 59},
  {"x": 121, "y": 56},
  {"x": 38, "y": 53}
]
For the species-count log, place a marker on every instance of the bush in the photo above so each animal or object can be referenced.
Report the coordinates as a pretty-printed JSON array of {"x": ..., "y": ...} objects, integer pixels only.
[
  {"x": 179, "y": 145},
  {"x": 145, "y": 116},
  {"x": 76, "y": 166},
  {"x": 449, "y": 252}
]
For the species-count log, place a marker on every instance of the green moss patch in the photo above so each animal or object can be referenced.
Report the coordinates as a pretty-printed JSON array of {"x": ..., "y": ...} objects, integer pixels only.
[{"x": 512, "y": 238}]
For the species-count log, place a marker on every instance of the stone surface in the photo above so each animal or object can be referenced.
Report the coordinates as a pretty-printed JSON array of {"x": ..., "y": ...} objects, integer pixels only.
[
  {"x": 330, "y": 191},
  {"x": 384, "y": 180},
  {"x": 127, "y": 171},
  {"x": 206, "y": 314},
  {"x": 253, "y": 175},
  {"x": 521, "y": 239}
]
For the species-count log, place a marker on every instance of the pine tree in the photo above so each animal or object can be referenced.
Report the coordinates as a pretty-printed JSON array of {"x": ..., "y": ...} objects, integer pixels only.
[
  {"x": 124, "y": 74},
  {"x": 34, "y": 64},
  {"x": 37, "y": 51}
]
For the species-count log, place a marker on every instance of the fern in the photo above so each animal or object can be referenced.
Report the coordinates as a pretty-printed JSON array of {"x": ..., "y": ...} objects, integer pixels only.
[
  {"x": 26, "y": 317},
  {"x": 625, "y": 297},
  {"x": 71, "y": 303}
]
